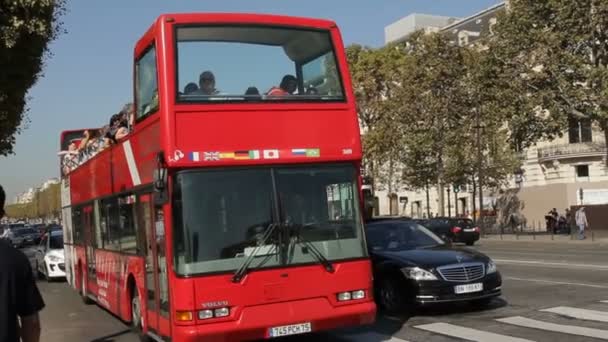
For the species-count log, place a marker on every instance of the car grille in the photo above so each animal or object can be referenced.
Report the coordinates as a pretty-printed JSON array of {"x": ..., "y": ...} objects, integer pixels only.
[
  {"x": 462, "y": 272},
  {"x": 62, "y": 267}
]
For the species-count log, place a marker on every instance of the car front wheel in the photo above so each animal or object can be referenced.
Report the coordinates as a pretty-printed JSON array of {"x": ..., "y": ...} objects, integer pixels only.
[{"x": 390, "y": 296}]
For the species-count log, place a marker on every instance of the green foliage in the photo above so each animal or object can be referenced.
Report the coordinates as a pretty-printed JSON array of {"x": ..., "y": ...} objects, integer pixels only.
[
  {"x": 375, "y": 75},
  {"x": 554, "y": 54},
  {"x": 26, "y": 28},
  {"x": 46, "y": 203},
  {"x": 421, "y": 105}
]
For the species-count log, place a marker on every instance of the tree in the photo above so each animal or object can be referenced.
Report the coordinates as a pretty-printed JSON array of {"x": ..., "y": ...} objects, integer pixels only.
[
  {"x": 375, "y": 75},
  {"x": 26, "y": 28},
  {"x": 555, "y": 55},
  {"x": 433, "y": 102}
]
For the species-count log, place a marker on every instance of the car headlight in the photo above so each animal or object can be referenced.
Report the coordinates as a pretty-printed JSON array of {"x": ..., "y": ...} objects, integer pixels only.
[
  {"x": 417, "y": 273},
  {"x": 491, "y": 267},
  {"x": 54, "y": 258}
]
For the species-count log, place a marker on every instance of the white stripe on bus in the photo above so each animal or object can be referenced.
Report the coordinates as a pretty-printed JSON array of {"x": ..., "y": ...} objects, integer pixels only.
[
  {"x": 561, "y": 328},
  {"x": 131, "y": 163},
  {"x": 468, "y": 333},
  {"x": 590, "y": 315}
]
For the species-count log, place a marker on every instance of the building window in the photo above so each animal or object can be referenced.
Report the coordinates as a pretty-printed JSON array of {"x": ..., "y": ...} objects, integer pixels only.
[
  {"x": 582, "y": 171},
  {"x": 579, "y": 130}
]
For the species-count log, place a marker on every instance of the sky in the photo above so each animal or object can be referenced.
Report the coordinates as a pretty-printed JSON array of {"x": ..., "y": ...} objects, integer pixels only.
[{"x": 89, "y": 75}]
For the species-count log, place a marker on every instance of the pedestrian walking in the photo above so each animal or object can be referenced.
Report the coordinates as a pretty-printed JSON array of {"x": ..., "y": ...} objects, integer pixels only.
[
  {"x": 581, "y": 222},
  {"x": 20, "y": 300}
]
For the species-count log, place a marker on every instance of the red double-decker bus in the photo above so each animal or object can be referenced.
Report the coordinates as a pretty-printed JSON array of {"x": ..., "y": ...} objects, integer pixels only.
[{"x": 232, "y": 209}]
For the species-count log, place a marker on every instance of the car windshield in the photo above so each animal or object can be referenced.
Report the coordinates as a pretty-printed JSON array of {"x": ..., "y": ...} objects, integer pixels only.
[
  {"x": 56, "y": 242},
  {"x": 464, "y": 223},
  {"x": 221, "y": 216},
  {"x": 25, "y": 231},
  {"x": 256, "y": 63},
  {"x": 385, "y": 236}
]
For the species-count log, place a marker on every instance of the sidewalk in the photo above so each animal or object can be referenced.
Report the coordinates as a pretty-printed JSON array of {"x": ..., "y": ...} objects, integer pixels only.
[{"x": 591, "y": 238}]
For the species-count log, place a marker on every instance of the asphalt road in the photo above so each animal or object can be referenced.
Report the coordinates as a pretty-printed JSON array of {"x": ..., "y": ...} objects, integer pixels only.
[{"x": 552, "y": 291}]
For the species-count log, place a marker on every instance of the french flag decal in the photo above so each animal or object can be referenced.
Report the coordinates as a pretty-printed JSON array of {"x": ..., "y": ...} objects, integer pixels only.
[{"x": 194, "y": 156}]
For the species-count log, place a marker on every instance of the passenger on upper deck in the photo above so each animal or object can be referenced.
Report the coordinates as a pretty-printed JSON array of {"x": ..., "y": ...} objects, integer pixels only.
[
  {"x": 206, "y": 82},
  {"x": 288, "y": 86},
  {"x": 190, "y": 88}
]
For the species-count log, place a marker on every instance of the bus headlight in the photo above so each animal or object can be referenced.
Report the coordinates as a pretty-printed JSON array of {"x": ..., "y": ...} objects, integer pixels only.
[
  {"x": 350, "y": 295},
  {"x": 215, "y": 313}
]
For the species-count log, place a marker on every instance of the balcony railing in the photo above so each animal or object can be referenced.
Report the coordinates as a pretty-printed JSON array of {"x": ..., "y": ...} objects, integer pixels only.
[{"x": 591, "y": 149}]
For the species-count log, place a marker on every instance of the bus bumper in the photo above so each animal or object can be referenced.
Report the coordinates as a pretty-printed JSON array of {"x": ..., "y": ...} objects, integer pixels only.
[{"x": 255, "y": 322}]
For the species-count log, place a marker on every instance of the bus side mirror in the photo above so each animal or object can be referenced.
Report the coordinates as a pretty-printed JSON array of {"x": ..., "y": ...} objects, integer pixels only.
[
  {"x": 160, "y": 194},
  {"x": 368, "y": 204}
]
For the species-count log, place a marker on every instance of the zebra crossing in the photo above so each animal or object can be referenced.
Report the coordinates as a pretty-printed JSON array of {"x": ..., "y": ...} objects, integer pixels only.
[{"x": 523, "y": 329}]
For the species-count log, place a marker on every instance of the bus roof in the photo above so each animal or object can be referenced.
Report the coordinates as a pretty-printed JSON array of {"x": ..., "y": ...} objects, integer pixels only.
[{"x": 246, "y": 18}]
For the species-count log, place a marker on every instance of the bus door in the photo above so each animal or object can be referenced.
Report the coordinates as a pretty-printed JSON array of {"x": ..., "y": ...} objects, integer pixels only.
[
  {"x": 156, "y": 278},
  {"x": 90, "y": 244},
  {"x": 146, "y": 220}
]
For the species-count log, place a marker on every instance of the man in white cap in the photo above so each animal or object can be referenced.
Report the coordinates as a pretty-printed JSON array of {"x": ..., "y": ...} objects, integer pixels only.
[{"x": 581, "y": 222}]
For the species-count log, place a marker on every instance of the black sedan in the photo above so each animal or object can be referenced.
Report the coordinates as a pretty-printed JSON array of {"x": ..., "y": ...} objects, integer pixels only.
[{"x": 412, "y": 266}]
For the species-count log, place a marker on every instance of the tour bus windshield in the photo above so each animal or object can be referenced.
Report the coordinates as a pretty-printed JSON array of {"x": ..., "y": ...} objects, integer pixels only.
[
  {"x": 255, "y": 63},
  {"x": 221, "y": 216}
]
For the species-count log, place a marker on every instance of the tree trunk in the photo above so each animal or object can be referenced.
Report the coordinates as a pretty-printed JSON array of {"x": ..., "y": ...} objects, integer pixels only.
[
  {"x": 604, "y": 126},
  {"x": 428, "y": 201},
  {"x": 440, "y": 189},
  {"x": 473, "y": 200}
]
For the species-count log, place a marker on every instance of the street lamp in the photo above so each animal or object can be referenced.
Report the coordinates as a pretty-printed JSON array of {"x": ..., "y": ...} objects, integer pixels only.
[{"x": 449, "y": 204}]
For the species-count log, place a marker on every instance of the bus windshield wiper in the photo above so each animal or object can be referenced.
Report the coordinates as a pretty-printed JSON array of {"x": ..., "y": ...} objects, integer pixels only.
[
  {"x": 329, "y": 267},
  {"x": 241, "y": 271}
]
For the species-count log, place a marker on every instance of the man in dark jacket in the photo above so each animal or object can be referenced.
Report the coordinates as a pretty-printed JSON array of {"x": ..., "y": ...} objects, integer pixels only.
[{"x": 20, "y": 300}]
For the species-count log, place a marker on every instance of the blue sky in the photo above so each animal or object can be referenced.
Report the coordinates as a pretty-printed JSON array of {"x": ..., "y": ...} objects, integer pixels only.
[{"x": 89, "y": 75}]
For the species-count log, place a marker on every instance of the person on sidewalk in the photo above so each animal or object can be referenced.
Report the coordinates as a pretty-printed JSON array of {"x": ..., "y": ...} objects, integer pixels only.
[
  {"x": 581, "y": 222},
  {"x": 20, "y": 300}
]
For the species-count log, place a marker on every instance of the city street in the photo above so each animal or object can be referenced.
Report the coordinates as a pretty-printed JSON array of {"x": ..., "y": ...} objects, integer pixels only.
[{"x": 552, "y": 291}]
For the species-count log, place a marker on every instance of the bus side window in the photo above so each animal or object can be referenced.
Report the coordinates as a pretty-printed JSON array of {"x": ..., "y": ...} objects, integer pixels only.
[
  {"x": 110, "y": 221},
  {"x": 128, "y": 240}
]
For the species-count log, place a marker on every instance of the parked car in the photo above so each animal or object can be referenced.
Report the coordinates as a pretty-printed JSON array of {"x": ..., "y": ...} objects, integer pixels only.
[
  {"x": 412, "y": 266},
  {"x": 50, "y": 259},
  {"x": 452, "y": 229},
  {"x": 10, "y": 233},
  {"x": 29, "y": 236}
]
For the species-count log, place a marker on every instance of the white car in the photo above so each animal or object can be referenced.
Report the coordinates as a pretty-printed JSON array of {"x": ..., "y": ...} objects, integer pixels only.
[{"x": 50, "y": 259}]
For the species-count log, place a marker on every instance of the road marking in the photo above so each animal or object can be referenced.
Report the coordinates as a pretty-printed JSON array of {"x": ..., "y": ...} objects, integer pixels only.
[
  {"x": 554, "y": 264},
  {"x": 590, "y": 315},
  {"x": 562, "y": 328},
  {"x": 372, "y": 336},
  {"x": 556, "y": 282},
  {"x": 468, "y": 333},
  {"x": 603, "y": 301}
]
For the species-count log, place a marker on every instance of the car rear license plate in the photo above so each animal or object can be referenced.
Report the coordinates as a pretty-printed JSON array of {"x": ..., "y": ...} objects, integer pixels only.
[
  {"x": 469, "y": 230},
  {"x": 468, "y": 288},
  {"x": 292, "y": 329}
]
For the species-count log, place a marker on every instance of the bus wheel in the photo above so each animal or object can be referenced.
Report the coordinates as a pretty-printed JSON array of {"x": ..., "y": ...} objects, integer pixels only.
[
  {"x": 136, "y": 317},
  {"x": 83, "y": 289}
]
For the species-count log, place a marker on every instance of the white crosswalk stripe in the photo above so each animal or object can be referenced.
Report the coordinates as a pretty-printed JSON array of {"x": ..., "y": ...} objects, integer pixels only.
[
  {"x": 604, "y": 301},
  {"x": 590, "y": 315},
  {"x": 373, "y": 337},
  {"x": 468, "y": 333},
  {"x": 561, "y": 328}
]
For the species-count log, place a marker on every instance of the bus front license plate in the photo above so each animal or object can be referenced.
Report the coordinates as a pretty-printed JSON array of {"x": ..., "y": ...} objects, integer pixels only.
[{"x": 292, "y": 329}]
